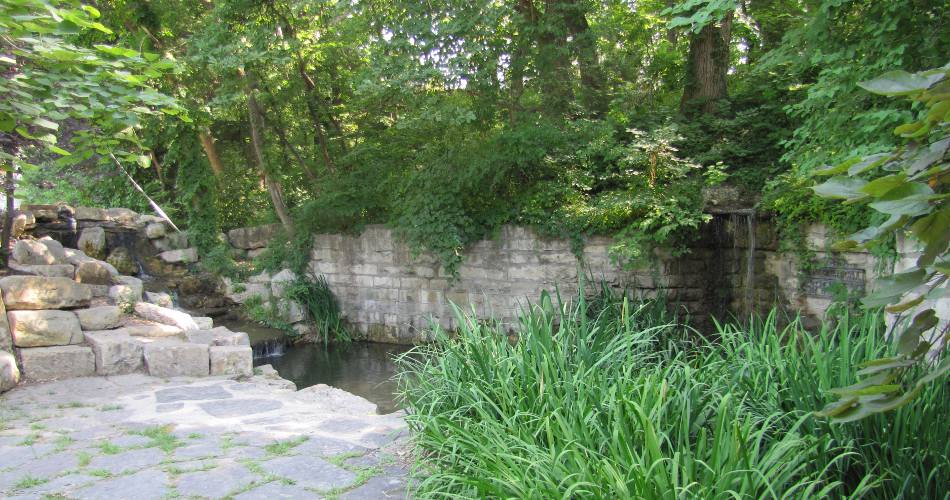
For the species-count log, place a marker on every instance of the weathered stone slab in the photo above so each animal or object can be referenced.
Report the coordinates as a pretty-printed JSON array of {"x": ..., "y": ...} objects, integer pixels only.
[
  {"x": 23, "y": 222},
  {"x": 191, "y": 393},
  {"x": 184, "y": 256},
  {"x": 91, "y": 214},
  {"x": 232, "y": 360},
  {"x": 219, "y": 336},
  {"x": 94, "y": 272},
  {"x": 215, "y": 483},
  {"x": 277, "y": 490},
  {"x": 173, "y": 359},
  {"x": 55, "y": 249},
  {"x": 59, "y": 362},
  {"x": 384, "y": 486},
  {"x": 92, "y": 241},
  {"x": 122, "y": 215},
  {"x": 44, "y": 328},
  {"x": 9, "y": 372},
  {"x": 149, "y": 484},
  {"x": 116, "y": 352},
  {"x": 130, "y": 460},
  {"x": 50, "y": 271},
  {"x": 121, "y": 259},
  {"x": 154, "y": 230},
  {"x": 249, "y": 238},
  {"x": 36, "y": 292},
  {"x": 281, "y": 281},
  {"x": 239, "y": 407},
  {"x": 32, "y": 252},
  {"x": 153, "y": 331},
  {"x": 98, "y": 318},
  {"x": 165, "y": 315},
  {"x": 241, "y": 292},
  {"x": 310, "y": 472}
]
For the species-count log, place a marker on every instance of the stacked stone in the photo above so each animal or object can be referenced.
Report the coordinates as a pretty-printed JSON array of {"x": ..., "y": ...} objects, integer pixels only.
[{"x": 62, "y": 315}]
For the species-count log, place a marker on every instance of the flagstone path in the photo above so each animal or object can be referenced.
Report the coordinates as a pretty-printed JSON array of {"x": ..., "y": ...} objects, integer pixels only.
[{"x": 135, "y": 436}]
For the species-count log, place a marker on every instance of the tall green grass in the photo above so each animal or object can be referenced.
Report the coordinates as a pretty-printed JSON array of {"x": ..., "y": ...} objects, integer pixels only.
[{"x": 620, "y": 401}]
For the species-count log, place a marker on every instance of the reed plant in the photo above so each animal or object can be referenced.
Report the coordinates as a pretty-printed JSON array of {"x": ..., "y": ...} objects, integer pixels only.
[{"x": 617, "y": 399}]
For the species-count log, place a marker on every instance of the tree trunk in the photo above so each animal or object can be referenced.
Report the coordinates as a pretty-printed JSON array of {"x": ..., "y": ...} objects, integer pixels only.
[
  {"x": 207, "y": 143},
  {"x": 9, "y": 188},
  {"x": 257, "y": 145},
  {"x": 574, "y": 16},
  {"x": 706, "y": 67}
]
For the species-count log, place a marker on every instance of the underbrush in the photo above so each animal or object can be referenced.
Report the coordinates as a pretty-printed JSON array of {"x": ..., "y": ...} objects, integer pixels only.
[{"x": 620, "y": 401}]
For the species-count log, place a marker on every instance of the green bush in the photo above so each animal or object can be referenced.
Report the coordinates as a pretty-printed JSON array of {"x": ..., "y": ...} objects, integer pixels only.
[{"x": 621, "y": 402}]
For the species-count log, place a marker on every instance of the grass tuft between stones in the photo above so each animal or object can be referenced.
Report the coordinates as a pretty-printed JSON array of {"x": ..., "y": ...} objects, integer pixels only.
[
  {"x": 284, "y": 447},
  {"x": 29, "y": 481}
]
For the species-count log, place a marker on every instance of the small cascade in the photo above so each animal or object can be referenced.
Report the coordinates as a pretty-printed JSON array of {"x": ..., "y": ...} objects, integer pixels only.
[
  {"x": 270, "y": 348},
  {"x": 745, "y": 264},
  {"x": 750, "y": 264}
]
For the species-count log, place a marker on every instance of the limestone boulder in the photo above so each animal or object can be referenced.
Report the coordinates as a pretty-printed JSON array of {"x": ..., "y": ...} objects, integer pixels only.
[
  {"x": 9, "y": 371},
  {"x": 6, "y": 339},
  {"x": 175, "y": 359},
  {"x": 165, "y": 316},
  {"x": 127, "y": 290},
  {"x": 204, "y": 322},
  {"x": 177, "y": 240},
  {"x": 232, "y": 360},
  {"x": 183, "y": 256},
  {"x": 38, "y": 292},
  {"x": 240, "y": 293},
  {"x": 116, "y": 353},
  {"x": 99, "y": 318},
  {"x": 55, "y": 249},
  {"x": 22, "y": 223},
  {"x": 94, "y": 272},
  {"x": 121, "y": 259},
  {"x": 44, "y": 328},
  {"x": 159, "y": 298},
  {"x": 281, "y": 281},
  {"x": 155, "y": 230},
  {"x": 249, "y": 238},
  {"x": 44, "y": 213},
  {"x": 92, "y": 241},
  {"x": 122, "y": 216},
  {"x": 32, "y": 252},
  {"x": 50, "y": 271},
  {"x": 59, "y": 362},
  {"x": 291, "y": 312}
]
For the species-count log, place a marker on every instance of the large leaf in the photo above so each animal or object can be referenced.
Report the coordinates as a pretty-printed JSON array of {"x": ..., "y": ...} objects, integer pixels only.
[
  {"x": 894, "y": 83},
  {"x": 842, "y": 188},
  {"x": 910, "y": 338},
  {"x": 910, "y": 198}
]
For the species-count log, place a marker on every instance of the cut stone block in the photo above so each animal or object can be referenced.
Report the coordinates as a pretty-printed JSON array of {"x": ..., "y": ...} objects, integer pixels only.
[
  {"x": 116, "y": 352},
  {"x": 52, "y": 363},
  {"x": 22, "y": 223},
  {"x": 219, "y": 336},
  {"x": 98, "y": 318},
  {"x": 9, "y": 373},
  {"x": 232, "y": 360},
  {"x": 152, "y": 331},
  {"x": 37, "y": 292},
  {"x": 173, "y": 359},
  {"x": 155, "y": 230},
  {"x": 44, "y": 328},
  {"x": 185, "y": 256},
  {"x": 91, "y": 213},
  {"x": 50, "y": 271},
  {"x": 165, "y": 315},
  {"x": 55, "y": 249},
  {"x": 94, "y": 272},
  {"x": 92, "y": 241}
]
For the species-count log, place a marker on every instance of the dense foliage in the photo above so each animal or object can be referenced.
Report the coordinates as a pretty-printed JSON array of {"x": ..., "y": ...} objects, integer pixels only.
[
  {"x": 909, "y": 186},
  {"x": 447, "y": 119},
  {"x": 618, "y": 401}
]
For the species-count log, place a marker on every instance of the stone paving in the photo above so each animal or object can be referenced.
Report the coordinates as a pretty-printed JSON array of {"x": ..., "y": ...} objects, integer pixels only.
[{"x": 135, "y": 436}]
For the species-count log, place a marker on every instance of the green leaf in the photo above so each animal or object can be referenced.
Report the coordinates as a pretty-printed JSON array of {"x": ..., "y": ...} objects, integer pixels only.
[
  {"x": 43, "y": 122},
  {"x": 882, "y": 185},
  {"x": 934, "y": 232},
  {"x": 909, "y": 198},
  {"x": 844, "y": 188},
  {"x": 910, "y": 337},
  {"x": 891, "y": 365},
  {"x": 894, "y": 83}
]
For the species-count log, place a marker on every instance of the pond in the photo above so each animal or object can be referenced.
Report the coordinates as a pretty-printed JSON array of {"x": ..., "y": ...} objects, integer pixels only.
[{"x": 362, "y": 368}]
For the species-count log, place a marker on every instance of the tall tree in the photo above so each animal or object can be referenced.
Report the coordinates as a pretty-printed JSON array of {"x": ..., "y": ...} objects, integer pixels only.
[{"x": 707, "y": 63}]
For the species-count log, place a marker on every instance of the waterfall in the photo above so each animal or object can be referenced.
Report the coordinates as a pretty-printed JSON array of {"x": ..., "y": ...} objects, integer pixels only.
[
  {"x": 270, "y": 348},
  {"x": 750, "y": 264}
]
